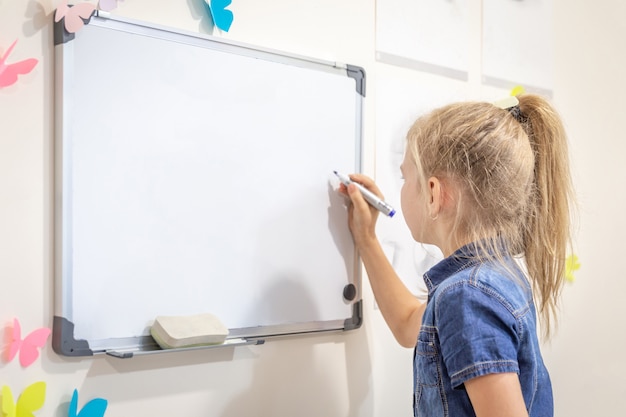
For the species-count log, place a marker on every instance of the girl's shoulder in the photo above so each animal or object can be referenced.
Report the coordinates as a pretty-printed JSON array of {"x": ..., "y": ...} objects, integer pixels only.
[{"x": 491, "y": 281}]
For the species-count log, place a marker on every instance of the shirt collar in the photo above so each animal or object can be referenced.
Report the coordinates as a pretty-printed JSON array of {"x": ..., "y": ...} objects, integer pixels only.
[{"x": 460, "y": 259}]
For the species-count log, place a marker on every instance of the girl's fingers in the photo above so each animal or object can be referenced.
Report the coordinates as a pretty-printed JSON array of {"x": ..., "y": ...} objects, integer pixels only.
[{"x": 367, "y": 182}]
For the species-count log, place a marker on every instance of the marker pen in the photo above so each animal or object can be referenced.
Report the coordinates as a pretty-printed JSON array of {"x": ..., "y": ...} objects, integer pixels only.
[{"x": 369, "y": 196}]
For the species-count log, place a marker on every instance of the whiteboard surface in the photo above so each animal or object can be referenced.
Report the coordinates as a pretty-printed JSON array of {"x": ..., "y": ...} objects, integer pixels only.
[{"x": 195, "y": 179}]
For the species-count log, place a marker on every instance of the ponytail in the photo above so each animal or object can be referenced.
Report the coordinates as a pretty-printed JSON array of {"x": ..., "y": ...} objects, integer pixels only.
[{"x": 547, "y": 234}]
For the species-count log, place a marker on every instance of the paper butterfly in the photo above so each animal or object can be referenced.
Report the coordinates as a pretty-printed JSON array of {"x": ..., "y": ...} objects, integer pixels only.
[
  {"x": 517, "y": 90},
  {"x": 571, "y": 265},
  {"x": 29, "y": 346},
  {"x": 94, "y": 408},
  {"x": 222, "y": 18},
  {"x": 75, "y": 16},
  {"x": 31, "y": 400},
  {"x": 107, "y": 5},
  {"x": 9, "y": 72}
]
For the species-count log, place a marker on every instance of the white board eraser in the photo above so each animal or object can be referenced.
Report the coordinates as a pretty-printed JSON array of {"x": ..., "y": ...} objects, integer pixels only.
[{"x": 171, "y": 332}]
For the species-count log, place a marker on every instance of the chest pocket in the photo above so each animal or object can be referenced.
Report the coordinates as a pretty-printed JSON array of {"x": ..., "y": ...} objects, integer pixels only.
[
  {"x": 429, "y": 397},
  {"x": 427, "y": 370}
]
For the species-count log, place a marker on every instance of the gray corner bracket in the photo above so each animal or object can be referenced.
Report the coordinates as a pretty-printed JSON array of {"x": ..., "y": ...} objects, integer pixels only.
[
  {"x": 356, "y": 320},
  {"x": 63, "y": 341},
  {"x": 358, "y": 73},
  {"x": 61, "y": 35}
]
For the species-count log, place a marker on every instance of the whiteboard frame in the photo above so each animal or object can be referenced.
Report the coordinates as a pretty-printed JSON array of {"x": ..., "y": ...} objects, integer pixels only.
[{"x": 63, "y": 340}]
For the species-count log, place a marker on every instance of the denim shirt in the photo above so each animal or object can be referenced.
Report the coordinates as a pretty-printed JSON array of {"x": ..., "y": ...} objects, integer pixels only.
[{"x": 478, "y": 321}]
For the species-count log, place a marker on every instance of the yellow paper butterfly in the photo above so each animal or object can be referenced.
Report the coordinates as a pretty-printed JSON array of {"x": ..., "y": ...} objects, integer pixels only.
[
  {"x": 517, "y": 90},
  {"x": 31, "y": 400},
  {"x": 571, "y": 265}
]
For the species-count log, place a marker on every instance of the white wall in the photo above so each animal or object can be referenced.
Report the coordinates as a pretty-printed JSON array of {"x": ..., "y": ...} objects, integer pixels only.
[
  {"x": 587, "y": 355},
  {"x": 362, "y": 373}
]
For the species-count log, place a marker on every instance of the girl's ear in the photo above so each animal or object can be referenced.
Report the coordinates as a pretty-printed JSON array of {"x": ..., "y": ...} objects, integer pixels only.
[{"x": 435, "y": 197}]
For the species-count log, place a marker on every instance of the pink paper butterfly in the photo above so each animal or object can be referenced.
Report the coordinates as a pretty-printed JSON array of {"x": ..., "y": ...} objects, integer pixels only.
[
  {"x": 75, "y": 16},
  {"x": 29, "y": 346},
  {"x": 9, "y": 72}
]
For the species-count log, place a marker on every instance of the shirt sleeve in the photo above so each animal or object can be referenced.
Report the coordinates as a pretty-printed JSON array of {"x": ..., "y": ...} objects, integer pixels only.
[{"x": 477, "y": 332}]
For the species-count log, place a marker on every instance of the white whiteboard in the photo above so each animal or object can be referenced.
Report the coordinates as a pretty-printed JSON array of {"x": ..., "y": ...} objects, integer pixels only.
[{"x": 194, "y": 176}]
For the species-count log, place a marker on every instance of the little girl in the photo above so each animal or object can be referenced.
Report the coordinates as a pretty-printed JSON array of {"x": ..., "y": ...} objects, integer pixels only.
[{"x": 491, "y": 188}]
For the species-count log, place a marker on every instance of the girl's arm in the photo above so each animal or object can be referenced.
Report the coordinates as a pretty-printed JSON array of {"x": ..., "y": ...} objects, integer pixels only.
[
  {"x": 401, "y": 310},
  {"x": 496, "y": 395}
]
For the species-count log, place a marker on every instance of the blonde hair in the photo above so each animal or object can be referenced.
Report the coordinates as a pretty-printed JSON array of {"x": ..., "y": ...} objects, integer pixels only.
[{"x": 511, "y": 170}]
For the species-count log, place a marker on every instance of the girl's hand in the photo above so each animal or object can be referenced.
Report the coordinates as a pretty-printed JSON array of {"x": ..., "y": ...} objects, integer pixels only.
[{"x": 361, "y": 215}]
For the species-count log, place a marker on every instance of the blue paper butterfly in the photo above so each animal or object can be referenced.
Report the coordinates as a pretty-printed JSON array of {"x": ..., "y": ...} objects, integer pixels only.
[
  {"x": 94, "y": 408},
  {"x": 222, "y": 18}
]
